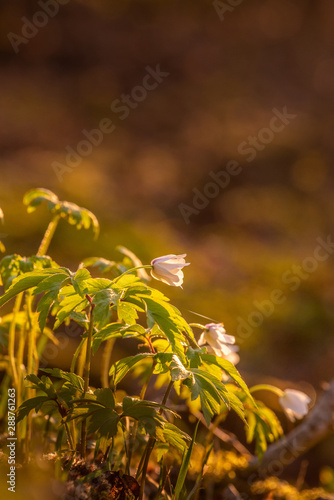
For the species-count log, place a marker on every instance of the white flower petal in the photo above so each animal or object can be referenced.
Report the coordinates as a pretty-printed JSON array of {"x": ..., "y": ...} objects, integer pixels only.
[
  {"x": 294, "y": 403},
  {"x": 168, "y": 269}
]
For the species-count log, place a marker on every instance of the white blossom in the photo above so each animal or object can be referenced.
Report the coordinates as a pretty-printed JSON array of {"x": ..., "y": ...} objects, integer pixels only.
[
  {"x": 294, "y": 403},
  {"x": 168, "y": 269},
  {"x": 221, "y": 343}
]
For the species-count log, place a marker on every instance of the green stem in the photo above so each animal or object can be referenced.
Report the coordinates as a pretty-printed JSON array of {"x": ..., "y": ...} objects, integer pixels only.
[
  {"x": 82, "y": 359},
  {"x": 267, "y": 387},
  {"x": 105, "y": 364},
  {"x": 87, "y": 374},
  {"x": 78, "y": 352},
  {"x": 31, "y": 365},
  {"x": 131, "y": 270},
  {"x": 150, "y": 445},
  {"x": 20, "y": 371},
  {"x": 32, "y": 357},
  {"x": 89, "y": 350},
  {"x": 163, "y": 402},
  {"x": 69, "y": 437},
  {"x": 11, "y": 341},
  {"x": 48, "y": 235},
  {"x": 19, "y": 362},
  {"x": 135, "y": 427}
]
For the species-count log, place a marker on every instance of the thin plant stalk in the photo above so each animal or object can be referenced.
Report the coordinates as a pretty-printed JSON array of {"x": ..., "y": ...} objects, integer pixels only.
[
  {"x": 32, "y": 361},
  {"x": 151, "y": 443},
  {"x": 266, "y": 387},
  {"x": 20, "y": 371},
  {"x": 135, "y": 427},
  {"x": 82, "y": 359},
  {"x": 19, "y": 362},
  {"x": 48, "y": 235},
  {"x": 148, "y": 266},
  {"x": 32, "y": 366},
  {"x": 11, "y": 342},
  {"x": 69, "y": 437},
  {"x": 87, "y": 373},
  {"x": 105, "y": 364}
]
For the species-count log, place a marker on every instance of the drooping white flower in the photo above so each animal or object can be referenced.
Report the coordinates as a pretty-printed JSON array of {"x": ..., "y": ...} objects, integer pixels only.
[
  {"x": 215, "y": 335},
  {"x": 294, "y": 403},
  {"x": 233, "y": 356},
  {"x": 168, "y": 269}
]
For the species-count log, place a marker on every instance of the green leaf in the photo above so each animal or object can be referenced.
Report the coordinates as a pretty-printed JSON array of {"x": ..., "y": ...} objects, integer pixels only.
[
  {"x": 162, "y": 362},
  {"x": 147, "y": 415},
  {"x": 230, "y": 369},
  {"x": 173, "y": 435},
  {"x": 127, "y": 313},
  {"x": 102, "y": 301},
  {"x": 184, "y": 467},
  {"x": 76, "y": 381},
  {"x": 211, "y": 392},
  {"x": 95, "y": 285},
  {"x": 79, "y": 281},
  {"x": 103, "y": 422},
  {"x": 125, "y": 281},
  {"x": 51, "y": 285},
  {"x": 71, "y": 302},
  {"x": 122, "y": 367},
  {"x": 263, "y": 427},
  {"x": 25, "y": 282},
  {"x": 54, "y": 282},
  {"x": 116, "y": 330},
  {"x": 43, "y": 308},
  {"x": 103, "y": 265},
  {"x": 236, "y": 404},
  {"x": 29, "y": 405},
  {"x": 75, "y": 215},
  {"x": 106, "y": 397},
  {"x": 162, "y": 316},
  {"x": 35, "y": 197}
]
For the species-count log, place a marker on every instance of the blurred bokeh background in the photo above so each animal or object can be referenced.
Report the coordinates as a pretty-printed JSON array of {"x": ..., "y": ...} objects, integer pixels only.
[{"x": 228, "y": 70}]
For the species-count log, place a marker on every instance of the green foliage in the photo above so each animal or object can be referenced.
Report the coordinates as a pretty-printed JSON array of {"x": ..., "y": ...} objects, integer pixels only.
[
  {"x": 120, "y": 306},
  {"x": 263, "y": 427},
  {"x": 184, "y": 467},
  {"x": 72, "y": 213},
  {"x": 122, "y": 367},
  {"x": 12, "y": 266}
]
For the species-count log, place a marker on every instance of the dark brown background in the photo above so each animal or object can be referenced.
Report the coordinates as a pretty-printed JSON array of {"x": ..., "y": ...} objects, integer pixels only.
[{"x": 225, "y": 78}]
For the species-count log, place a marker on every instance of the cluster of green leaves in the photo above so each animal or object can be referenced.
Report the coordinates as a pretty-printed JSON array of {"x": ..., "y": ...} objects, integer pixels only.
[
  {"x": 263, "y": 426},
  {"x": 170, "y": 340},
  {"x": 118, "y": 304},
  {"x": 75, "y": 215}
]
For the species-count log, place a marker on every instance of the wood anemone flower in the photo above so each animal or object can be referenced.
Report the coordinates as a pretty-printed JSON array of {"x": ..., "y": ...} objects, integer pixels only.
[
  {"x": 215, "y": 335},
  {"x": 294, "y": 403},
  {"x": 168, "y": 269}
]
